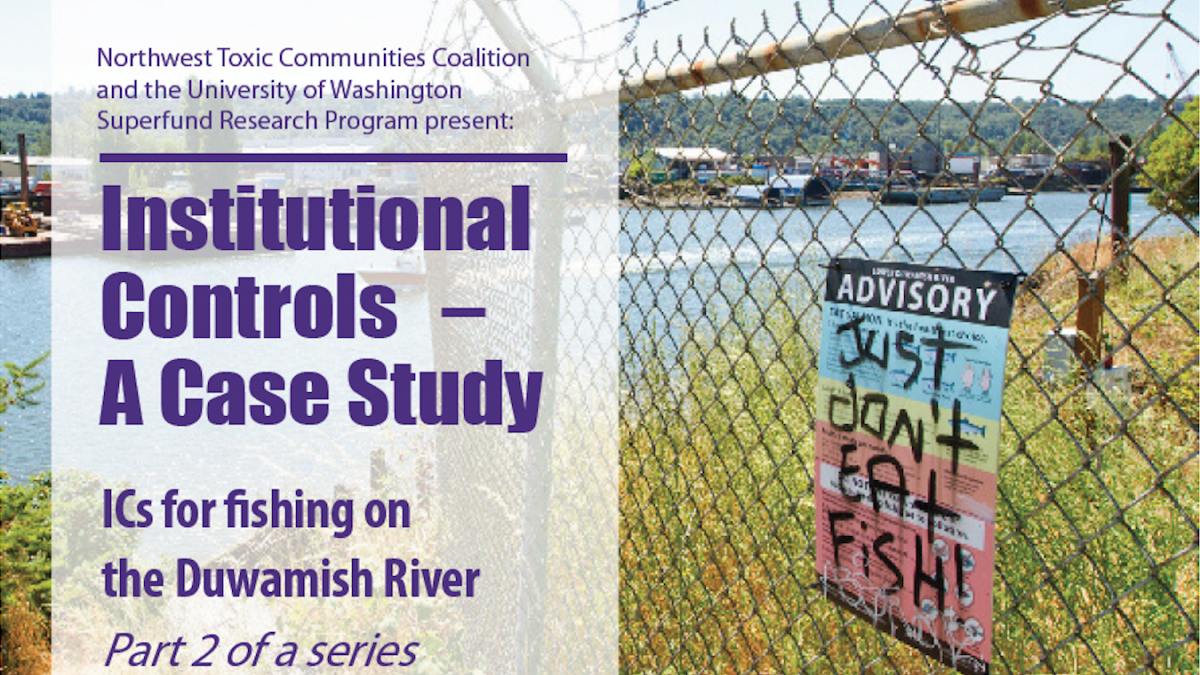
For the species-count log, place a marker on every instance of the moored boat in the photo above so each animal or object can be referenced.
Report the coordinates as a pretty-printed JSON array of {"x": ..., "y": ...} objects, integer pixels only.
[{"x": 942, "y": 195}]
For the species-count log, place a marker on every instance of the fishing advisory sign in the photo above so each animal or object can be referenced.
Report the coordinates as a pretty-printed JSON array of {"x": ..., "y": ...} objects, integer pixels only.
[{"x": 911, "y": 378}]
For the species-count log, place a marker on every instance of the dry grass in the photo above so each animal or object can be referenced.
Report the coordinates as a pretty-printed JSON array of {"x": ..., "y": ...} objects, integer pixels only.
[
  {"x": 1096, "y": 524},
  {"x": 24, "y": 639},
  {"x": 1149, "y": 322}
]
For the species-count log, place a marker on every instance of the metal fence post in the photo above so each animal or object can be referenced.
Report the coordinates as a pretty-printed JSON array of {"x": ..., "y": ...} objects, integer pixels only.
[
  {"x": 1122, "y": 171},
  {"x": 1089, "y": 319}
]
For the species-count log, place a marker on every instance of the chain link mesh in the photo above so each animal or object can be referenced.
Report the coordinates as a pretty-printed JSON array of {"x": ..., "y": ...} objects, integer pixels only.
[{"x": 1096, "y": 539}]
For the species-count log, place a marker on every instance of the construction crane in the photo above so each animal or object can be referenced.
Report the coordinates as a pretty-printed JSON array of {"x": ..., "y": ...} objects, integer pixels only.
[{"x": 1183, "y": 80}]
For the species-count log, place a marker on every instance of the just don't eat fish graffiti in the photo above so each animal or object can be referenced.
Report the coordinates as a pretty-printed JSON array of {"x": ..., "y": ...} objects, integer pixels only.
[{"x": 907, "y": 435}]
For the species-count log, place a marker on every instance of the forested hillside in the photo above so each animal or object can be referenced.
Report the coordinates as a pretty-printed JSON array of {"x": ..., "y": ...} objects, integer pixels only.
[
  {"x": 29, "y": 115},
  {"x": 801, "y": 126}
]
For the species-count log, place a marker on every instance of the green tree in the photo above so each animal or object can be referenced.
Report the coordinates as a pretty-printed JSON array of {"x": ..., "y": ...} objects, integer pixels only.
[
  {"x": 1173, "y": 163},
  {"x": 640, "y": 166},
  {"x": 22, "y": 383},
  {"x": 25, "y": 521},
  {"x": 24, "y": 546},
  {"x": 24, "y": 510}
]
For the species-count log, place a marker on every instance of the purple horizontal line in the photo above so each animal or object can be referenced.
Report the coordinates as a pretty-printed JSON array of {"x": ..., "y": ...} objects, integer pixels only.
[
  {"x": 336, "y": 157},
  {"x": 463, "y": 312}
]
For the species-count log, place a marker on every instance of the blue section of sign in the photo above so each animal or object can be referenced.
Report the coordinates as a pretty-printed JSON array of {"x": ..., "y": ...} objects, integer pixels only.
[{"x": 917, "y": 357}]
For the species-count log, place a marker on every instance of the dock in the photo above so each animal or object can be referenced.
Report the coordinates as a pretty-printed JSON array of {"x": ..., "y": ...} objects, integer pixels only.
[
  {"x": 41, "y": 245},
  {"x": 25, "y": 247}
]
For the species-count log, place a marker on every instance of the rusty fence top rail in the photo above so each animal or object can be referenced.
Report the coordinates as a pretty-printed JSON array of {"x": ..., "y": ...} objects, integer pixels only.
[{"x": 938, "y": 21}]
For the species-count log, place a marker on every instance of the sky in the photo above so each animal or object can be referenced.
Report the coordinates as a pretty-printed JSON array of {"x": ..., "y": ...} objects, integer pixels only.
[
  {"x": 27, "y": 37},
  {"x": 1138, "y": 42}
]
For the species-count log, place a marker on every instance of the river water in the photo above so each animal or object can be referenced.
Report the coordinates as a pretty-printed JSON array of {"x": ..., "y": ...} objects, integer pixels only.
[{"x": 673, "y": 263}]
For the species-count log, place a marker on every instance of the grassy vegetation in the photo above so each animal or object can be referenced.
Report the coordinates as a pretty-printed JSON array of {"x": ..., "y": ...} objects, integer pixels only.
[
  {"x": 1096, "y": 525},
  {"x": 1097, "y": 511}
]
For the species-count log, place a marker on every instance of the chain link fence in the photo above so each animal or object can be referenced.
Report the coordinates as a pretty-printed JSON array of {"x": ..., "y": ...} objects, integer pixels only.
[{"x": 972, "y": 135}]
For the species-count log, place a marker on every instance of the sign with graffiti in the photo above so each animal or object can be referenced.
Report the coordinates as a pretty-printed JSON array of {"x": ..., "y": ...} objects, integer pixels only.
[{"x": 908, "y": 432}]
